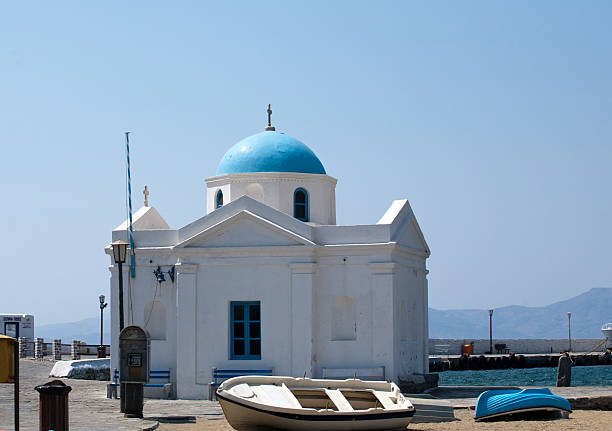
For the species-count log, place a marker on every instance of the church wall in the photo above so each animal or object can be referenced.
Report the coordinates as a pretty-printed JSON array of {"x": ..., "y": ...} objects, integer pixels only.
[
  {"x": 409, "y": 315},
  {"x": 319, "y": 199},
  {"x": 276, "y": 190},
  {"x": 411, "y": 290},
  {"x": 218, "y": 285},
  {"x": 350, "y": 283},
  {"x": 211, "y": 196},
  {"x": 143, "y": 291}
]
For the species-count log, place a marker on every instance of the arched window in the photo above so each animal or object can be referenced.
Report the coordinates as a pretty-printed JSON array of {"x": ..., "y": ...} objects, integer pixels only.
[
  {"x": 219, "y": 199},
  {"x": 300, "y": 204}
]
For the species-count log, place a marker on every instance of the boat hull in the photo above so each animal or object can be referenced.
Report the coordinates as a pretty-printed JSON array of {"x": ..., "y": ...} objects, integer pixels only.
[
  {"x": 248, "y": 418},
  {"x": 497, "y": 404}
]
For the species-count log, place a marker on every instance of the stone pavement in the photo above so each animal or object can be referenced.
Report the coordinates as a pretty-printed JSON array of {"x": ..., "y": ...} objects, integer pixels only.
[
  {"x": 89, "y": 407},
  {"x": 91, "y": 410},
  {"x": 580, "y": 397}
]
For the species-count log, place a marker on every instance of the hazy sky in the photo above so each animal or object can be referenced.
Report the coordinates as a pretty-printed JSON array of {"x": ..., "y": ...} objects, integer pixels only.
[{"x": 493, "y": 118}]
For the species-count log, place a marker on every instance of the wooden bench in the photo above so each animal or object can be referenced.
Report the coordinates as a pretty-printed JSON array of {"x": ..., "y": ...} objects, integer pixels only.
[
  {"x": 111, "y": 388},
  {"x": 220, "y": 375}
]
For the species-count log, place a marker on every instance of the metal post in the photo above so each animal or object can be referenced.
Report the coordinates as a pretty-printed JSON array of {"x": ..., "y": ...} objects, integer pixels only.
[
  {"x": 16, "y": 401},
  {"x": 101, "y": 326},
  {"x": 120, "y": 296},
  {"x": 491, "y": 331},
  {"x": 569, "y": 330}
]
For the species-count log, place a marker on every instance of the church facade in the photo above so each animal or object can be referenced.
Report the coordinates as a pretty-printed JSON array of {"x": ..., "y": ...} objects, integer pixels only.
[{"x": 267, "y": 280}]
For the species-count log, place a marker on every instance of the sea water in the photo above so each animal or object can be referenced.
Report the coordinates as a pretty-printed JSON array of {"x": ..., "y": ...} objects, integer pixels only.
[{"x": 600, "y": 375}]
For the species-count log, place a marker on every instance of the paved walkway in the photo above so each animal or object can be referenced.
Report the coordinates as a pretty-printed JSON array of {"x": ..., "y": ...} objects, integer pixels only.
[
  {"x": 465, "y": 396},
  {"x": 89, "y": 407},
  {"x": 91, "y": 410}
]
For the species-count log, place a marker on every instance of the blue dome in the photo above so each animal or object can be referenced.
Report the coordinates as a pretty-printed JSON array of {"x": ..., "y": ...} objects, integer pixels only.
[{"x": 270, "y": 152}]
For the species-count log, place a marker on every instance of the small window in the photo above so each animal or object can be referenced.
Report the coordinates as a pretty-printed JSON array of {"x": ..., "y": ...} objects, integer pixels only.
[
  {"x": 245, "y": 330},
  {"x": 219, "y": 199},
  {"x": 300, "y": 204}
]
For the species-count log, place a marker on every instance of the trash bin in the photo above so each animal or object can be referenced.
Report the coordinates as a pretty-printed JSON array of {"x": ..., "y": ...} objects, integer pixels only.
[
  {"x": 101, "y": 351},
  {"x": 53, "y": 406},
  {"x": 467, "y": 349}
]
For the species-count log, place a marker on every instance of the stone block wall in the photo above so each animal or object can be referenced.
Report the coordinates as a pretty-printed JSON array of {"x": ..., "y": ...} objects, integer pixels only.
[{"x": 517, "y": 345}]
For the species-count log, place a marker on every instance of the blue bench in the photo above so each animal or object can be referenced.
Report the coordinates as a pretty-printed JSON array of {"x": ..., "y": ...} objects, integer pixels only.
[
  {"x": 111, "y": 390},
  {"x": 220, "y": 375}
]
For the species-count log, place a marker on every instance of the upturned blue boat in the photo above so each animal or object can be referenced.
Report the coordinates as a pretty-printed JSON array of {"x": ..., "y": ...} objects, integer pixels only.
[{"x": 496, "y": 403}]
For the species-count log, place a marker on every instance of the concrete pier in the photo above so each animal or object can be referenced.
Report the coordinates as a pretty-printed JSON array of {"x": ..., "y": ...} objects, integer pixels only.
[{"x": 495, "y": 362}]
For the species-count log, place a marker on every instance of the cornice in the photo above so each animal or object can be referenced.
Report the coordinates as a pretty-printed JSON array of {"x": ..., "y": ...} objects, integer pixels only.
[
  {"x": 186, "y": 268},
  {"x": 303, "y": 268},
  {"x": 260, "y": 177},
  {"x": 382, "y": 267}
]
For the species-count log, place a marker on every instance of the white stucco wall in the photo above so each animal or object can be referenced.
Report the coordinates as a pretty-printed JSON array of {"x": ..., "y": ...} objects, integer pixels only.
[
  {"x": 276, "y": 190},
  {"x": 331, "y": 296}
]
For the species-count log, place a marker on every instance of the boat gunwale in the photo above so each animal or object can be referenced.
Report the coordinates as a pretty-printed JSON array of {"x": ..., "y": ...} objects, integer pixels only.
[
  {"x": 522, "y": 410},
  {"x": 320, "y": 415}
]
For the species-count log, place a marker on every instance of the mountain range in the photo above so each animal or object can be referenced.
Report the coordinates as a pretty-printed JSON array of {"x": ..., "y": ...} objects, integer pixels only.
[
  {"x": 590, "y": 310},
  {"x": 87, "y": 330}
]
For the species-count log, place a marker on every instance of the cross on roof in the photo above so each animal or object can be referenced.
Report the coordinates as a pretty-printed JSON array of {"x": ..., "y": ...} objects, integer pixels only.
[{"x": 145, "y": 192}]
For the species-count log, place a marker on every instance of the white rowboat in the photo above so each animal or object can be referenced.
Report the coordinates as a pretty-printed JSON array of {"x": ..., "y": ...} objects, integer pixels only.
[{"x": 252, "y": 403}]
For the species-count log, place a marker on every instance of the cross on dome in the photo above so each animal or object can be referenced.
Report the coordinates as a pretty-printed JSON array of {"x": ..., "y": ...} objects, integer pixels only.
[{"x": 269, "y": 127}]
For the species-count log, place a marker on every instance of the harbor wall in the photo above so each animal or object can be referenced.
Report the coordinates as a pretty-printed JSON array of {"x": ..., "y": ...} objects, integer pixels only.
[{"x": 438, "y": 346}]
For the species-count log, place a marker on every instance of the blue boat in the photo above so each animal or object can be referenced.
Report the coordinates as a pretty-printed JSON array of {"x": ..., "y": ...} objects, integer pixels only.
[{"x": 492, "y": 404}]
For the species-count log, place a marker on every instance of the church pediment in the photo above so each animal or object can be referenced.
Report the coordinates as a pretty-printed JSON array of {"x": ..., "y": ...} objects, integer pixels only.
[
  {"x": 404, "y": 228},
  {"x": 245, "y": 229},
  {"x": 410, "y": 236}
]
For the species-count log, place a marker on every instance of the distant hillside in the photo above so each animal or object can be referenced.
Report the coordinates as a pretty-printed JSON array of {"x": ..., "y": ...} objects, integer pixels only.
[
  {"x": 87, "y": 330},
  {"x": 590, "y": 311}
]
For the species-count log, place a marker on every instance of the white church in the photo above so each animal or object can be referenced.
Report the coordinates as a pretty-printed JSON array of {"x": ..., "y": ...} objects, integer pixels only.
[{"x": 267, "y": 280}]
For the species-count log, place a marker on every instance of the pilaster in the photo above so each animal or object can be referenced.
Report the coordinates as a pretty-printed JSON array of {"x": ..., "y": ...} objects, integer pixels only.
[
  {"x": 383, "y": 315},
  {"x": 301, "y": 318},
  {"x": 186, "y": 300}
]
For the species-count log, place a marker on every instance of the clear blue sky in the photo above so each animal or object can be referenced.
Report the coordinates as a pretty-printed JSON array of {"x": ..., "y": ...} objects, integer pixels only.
[{"x": 493, "y": 118}]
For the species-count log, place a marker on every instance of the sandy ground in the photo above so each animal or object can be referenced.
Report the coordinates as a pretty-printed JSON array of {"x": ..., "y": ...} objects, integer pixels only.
[{"x": 592, "y": 420}]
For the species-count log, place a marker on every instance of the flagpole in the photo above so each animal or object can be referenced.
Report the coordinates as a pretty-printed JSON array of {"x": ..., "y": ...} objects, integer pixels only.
[{"x": 129, "y": 186}]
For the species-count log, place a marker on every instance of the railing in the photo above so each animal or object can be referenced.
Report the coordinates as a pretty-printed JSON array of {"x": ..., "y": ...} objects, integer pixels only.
[{"x": 38, "y": 348}]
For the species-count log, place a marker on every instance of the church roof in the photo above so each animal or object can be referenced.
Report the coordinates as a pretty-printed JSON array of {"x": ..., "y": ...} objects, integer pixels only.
[{"x": 270, "y": 151}]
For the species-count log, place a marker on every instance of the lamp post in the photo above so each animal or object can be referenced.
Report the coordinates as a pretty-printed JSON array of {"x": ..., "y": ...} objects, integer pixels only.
[
  {"x": 569, "y": 330},
  {"x": 101, "y": 348},
  {"x": 491, "y": 331},
  {"x": 119, "y": 252}
]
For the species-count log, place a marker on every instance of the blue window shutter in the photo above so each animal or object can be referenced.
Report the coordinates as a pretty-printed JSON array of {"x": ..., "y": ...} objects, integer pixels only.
[{"x": 245, "y": 330}]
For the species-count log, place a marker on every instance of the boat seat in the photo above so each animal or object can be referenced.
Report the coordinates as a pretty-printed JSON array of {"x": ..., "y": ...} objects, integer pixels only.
[
  {"x": 339, "y": 400},
  {"x": 274, "y": 395},
  {"x": 385, "y": 401},
  {"x": 293, "y": 401}
]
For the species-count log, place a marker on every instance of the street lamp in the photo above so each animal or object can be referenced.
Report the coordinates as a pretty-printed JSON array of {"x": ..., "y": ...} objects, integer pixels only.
[
  {"x": 102, "y": 349},
  {"x": 569, "y": 330},
  {"x": 119, "y": 252},
  {"x": 491, "y": 331}
]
